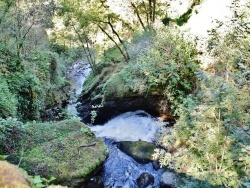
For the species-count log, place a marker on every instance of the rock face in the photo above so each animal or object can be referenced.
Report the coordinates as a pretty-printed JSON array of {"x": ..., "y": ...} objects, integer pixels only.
[
  {"x": 140, "y": 151},
  {"x": 67, "y": 150},
  {"x": 112, "y": 107},
  {"x": 11, "y": 176},
  {"x": 144, "y": 180}
]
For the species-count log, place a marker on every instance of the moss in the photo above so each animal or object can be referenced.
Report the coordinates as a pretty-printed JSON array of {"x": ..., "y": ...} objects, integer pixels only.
[
  {"x": 36, "y": 133},
  {"x": 141, "y": 151},
  {"x": 93, "y": 82},
  {"x": 108, "y": 78},
  {"x": 115, "y": 87},
  {"x": 69, "y": 154},
  {"x": 12, "y": 177}
]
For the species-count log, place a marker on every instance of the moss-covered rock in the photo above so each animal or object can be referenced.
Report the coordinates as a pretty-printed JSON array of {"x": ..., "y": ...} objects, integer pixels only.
[
  {"x": 12, "y": 177},
  {"x": 140, "y": 151},
  {"x": 36, "y": 133},
  {"x": 67, "y": 150}
]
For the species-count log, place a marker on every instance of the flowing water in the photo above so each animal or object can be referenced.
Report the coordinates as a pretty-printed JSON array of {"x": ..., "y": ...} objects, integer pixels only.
[
  {"x": 119, "y": 170},
  {"x": 77, "y": 75},
  {"x": 130, "y": 126}
]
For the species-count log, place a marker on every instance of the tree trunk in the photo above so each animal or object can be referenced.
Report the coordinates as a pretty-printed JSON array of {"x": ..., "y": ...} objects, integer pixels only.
[
  {"x": 150, "y": 11},
  {"x": 138, "y": 16},
  {"x": 119, "y": 48},
  {"x": 120, "y": 40},
  {"x": 87, "y": 52},
  {"x": 154, "y": 7}
]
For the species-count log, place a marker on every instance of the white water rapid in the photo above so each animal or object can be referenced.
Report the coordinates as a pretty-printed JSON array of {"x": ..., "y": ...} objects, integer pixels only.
[
  {"x": 77, "y": 75},
  {"x": 130, "y": 126},
  {"x": 119, "y": 170}
]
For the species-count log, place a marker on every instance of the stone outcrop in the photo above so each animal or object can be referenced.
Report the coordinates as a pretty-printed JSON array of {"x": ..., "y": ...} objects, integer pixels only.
[
  {"x": 67, "y": 150},
  {"x": 152, "y": 104}
]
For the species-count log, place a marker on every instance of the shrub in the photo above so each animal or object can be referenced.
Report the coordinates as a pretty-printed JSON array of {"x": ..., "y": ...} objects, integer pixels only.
[
  {"x": 166, "y": 68},
  {"x": 11, "y": 131},
  {"x": 8, "y": 100},
  {"x": 210, "y": 141}
]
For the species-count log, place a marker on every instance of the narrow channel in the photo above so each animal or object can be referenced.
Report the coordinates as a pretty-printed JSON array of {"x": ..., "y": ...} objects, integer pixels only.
[{"x": 119, "y": 169}]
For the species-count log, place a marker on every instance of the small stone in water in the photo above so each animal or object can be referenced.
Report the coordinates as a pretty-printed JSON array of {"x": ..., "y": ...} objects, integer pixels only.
[
  {"x": 245, "y": 128},
  {"x": 156, "y": 165},
  {"x": 144, "y": 180},
  {"x": 168, "y": 180}
]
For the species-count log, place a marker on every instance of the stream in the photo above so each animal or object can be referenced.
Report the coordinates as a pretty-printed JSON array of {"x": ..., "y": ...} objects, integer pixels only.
[
  {"x": 119, "y": 169},
  {"x": 77, "y": 74}
]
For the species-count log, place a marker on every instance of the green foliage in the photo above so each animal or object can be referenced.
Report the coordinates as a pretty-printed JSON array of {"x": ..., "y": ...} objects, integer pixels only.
[
  {"x": 112, "y": 55},
  {"x": 11, "y": 131},
  {"x": 86, "y": 131},
  {"x": 114, "y": 86},
  {"x": 95, "y": 83},
  {"x": 166, "y": 67},
  {"x": 183, "y": 18},
  {"x": 8, "y": 101},
  {"x": 28, "y": 93},
  {"x": 210, "y": 140},
  {"x": 3, "y": 157},
  {"x": 35, "y": 75},
  {"x": 38, "y": 182},
  {"x": 25, "y": 87}
]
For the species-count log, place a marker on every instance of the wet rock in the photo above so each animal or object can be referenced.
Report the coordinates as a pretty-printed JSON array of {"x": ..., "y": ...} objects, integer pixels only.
[
  {"x": 168, "y": 180},
  {"x": 140, "y": 151},
  {"x": 112, "y": 107},
  {"x": 67, "y": 150},
  {"x": 156, "y": 165},
  {"x": 12, "y": 177},
  {"x": 95, "y": 182},
  {"x": 144, "y": 180},
  {"x": 245, "y": 127}
]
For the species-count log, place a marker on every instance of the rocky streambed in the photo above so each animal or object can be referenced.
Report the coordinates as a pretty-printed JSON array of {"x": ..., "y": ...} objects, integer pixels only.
[
  {"x": 129, "y": 138},
  {"x": 130, "y": 164}
]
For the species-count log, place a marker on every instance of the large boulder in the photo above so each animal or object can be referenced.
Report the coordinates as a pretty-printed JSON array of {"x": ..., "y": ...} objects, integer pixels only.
[
  {"x": 12, "y": 177},
  {"x": 140, "y": 151},
  {"x": 67, "y": 150},
  {"x": 107, "y": 95}
]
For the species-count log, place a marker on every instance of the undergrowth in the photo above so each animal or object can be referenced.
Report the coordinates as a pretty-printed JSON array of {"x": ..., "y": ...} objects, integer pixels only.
[
  {"x": 211, "y": 139},
  {"x": 166, "y": 67}
]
